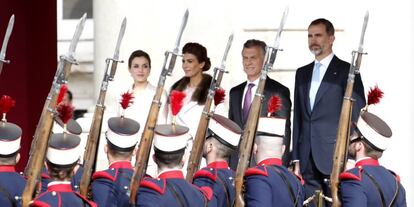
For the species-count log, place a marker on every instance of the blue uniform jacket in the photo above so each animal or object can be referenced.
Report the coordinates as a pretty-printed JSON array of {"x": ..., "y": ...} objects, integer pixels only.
[
  {"x": 358, "y": 186},
  {"x": 111, "y": 187},
  {"x": 11, "y": 186},
  {"x": 271, "y": 184},
  {"x": 60, "y": 194},
  {"x": 219, "y": 177},
  {"x": 172, "y": 190},
  {"x": 75, "y": 181}
]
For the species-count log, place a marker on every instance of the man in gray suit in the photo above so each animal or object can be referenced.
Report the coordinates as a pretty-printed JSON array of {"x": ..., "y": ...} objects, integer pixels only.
[{"x": 319, "y": 91}]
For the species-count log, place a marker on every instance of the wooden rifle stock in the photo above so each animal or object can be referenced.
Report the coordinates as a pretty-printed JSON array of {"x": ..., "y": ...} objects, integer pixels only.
[
  {"x": 342, "y": 137},
  {"x": 200, "y": 137},
  {"x": 146, "y": 143},
  {"x": 148, "y": 134},
  {"x": 92, "y": 145},
  {"x": 41, "y": 137},
  {"x": 91, "y": 149},
  {"x": 246, "y": 144}
]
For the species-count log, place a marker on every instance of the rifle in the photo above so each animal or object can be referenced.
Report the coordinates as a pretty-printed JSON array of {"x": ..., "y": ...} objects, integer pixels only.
[
  {"x": 44, "y": 127},
  {"x": 200, "y": 137},
  {"x": 5, "y": 42},
  {"x": 342, "y": 136},
  {"x": 148, "y": 134},
  {"x": 249, "y": 132},
  {"x": 91, "y": 152}
]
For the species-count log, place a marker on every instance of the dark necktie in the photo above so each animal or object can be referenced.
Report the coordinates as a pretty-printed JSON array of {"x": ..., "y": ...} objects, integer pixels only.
[{"x": 247, "y": 101}]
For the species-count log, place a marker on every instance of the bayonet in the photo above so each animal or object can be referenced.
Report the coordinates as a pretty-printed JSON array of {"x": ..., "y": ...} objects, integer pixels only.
[
  {"x": 180, "y": 33},
  {"x": 75, "y": 39},
  {"x": 281, "y": 26},
  {"x": 364, "y": 28},
  {"x": 115, "y": 58},
  {"x": 272, "y": 51},
  {"x": 5, "y": 42},
  {"x": 174, "y": 54},
  {"x": 226, "y": 52}
]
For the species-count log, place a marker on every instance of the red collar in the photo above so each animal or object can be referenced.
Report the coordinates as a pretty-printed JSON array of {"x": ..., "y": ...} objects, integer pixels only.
[
  {"x": 172, "y": 174},
  {"x": 7, "y": 168},
  {"x": 121, "y": 164},
  {"x": 370, "y": 161},
  {"x": 271, "y": 161},
  {"x": 219, "y": 165},
  {"x": 60, "y": 188}
]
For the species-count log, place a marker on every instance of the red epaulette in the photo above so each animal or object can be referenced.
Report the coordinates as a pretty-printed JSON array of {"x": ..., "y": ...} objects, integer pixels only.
[
  {"x": 104, "y": 175},
  {"x": 45, "y": 175},
  {"x": 206, "y": 173},
  {"x": 39, "y": 204},
  {"x": 157, "y": 185},
  {"x": 260, "y": 170},
  {"x": 348, "y": 175},
  {"x": 207, "y": 192},
  {"x": 396, "y": 175}
]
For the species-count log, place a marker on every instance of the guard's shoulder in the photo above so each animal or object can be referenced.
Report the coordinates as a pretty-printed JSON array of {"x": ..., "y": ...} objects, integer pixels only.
[
  {"x": 206, "y": 191},
  {"x": 352, "y": 174},
  {"x": 157, "y": 185},
  {"x": 38, "y": 203},
  {"x": 395, "y": 175},
  {"x": 206, "y": 172},
  {"x": 106, "y": 174},
  {"x": 258, "y": 170}
]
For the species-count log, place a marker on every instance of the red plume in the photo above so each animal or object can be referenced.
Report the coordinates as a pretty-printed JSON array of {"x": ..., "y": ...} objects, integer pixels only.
[
  {"x": 65, "y": 112},
  {"x": 274, "y": 104},
  {"x": 127, "y": 99},
  {"x": 374, "y": 95},
  {"x": 6, "y": 103},
  {"x": 219, "y": 96},
  {"x": 62, "y": 92},
  {"x": 176, "y": 100}
]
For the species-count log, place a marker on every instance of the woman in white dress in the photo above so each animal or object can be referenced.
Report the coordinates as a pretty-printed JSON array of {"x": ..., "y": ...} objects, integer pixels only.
[
  {"x": 195, "y": 85},
  {"x": 139, "y": 66}
]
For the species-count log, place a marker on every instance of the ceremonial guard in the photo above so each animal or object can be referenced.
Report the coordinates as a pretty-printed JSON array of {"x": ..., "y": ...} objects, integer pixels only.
[
  {"x": 111, "y": 187},
  {"x": 223, "y": 136},
  {"x": 170, "y": 187},
  {"x": 62, "y": 156},
  {"x": 369, "y": 183},
  {"x": 270, "y": 183},
  {"x": 72, "y": 127},
  {"x": 11, "y": 182}
]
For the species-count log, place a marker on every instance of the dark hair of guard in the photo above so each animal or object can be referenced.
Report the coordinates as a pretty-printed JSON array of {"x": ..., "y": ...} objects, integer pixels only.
[
  {"x": 138, "y": 53},
  {"x": 168, "y": 159},
  {"x": 60, "y": 172},
  {"x": 328, "y": 25},
  {"x": 200, "y": 52}
]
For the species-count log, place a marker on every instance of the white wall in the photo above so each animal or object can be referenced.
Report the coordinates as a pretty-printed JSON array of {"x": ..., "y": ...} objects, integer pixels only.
[{"x": 153, "y": 26}]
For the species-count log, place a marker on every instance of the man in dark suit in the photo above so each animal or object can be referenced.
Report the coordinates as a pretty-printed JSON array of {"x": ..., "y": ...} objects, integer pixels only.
[
  {"x": 253, "y": 54},
  {"x": 319, "y": 91}
]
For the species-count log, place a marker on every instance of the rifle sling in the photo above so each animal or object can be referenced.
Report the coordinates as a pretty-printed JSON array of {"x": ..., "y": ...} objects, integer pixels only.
[
  {"x": 377, "y": 187},
  {"x": 288, "y": 185}
]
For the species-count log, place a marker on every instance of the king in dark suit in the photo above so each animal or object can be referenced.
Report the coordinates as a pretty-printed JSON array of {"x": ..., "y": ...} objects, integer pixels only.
[
  {"x": 319, "y": 91},
  {"x": 253, "y": 57}
]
